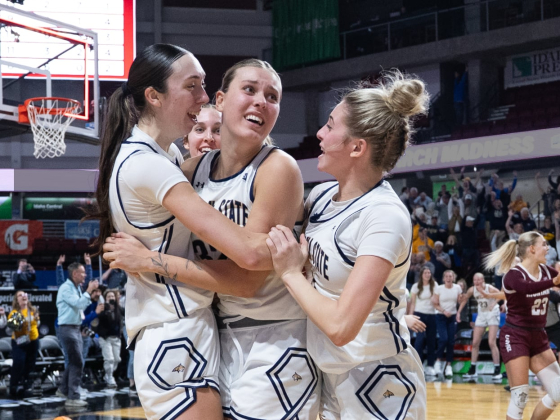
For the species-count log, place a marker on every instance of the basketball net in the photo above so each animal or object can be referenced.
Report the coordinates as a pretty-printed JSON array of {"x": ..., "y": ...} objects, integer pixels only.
[{"x": 49, "y": 118}]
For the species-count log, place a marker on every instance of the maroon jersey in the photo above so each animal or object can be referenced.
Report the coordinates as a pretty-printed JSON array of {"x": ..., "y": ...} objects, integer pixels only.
[{"x": 527, "y": 297}]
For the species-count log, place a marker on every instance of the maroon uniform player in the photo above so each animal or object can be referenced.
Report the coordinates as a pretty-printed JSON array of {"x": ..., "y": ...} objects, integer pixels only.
[{"x": 523, "y": 340}]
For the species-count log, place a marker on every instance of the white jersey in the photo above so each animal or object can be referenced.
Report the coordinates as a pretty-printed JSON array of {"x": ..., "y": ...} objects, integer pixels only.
[
  {"x": 484, "y": 304},
  {"x": 376, "y": 223},
  {"x": 142, "y": 175},
  {"x": 233, "y": 197}
]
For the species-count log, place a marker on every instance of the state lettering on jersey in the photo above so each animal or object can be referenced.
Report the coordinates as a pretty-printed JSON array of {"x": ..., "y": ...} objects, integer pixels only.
[
  {"x": 319, "y": 258},
  {"x": 234, "y": 210}
]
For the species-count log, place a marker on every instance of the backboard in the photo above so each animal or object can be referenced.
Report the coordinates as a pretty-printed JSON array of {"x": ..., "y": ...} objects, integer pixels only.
[{"x": 63, "y": 48}]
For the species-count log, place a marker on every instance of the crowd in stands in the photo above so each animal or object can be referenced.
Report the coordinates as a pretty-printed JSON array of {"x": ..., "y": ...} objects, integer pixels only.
[
  {"x": 451, "y": 234},
  {"x": 90, "y": 321}
]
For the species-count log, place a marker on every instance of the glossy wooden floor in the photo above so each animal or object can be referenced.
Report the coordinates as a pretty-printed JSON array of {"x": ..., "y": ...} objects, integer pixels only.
[{"x": 446, "y": 400}]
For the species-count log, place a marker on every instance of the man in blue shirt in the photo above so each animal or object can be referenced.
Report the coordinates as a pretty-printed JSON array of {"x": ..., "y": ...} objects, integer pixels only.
[{"x": 71, "y": 303}]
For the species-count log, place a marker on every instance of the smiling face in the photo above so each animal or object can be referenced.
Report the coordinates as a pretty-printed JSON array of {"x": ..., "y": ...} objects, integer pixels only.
[
  {"x": 426, "y": 275},
  {"x": 448, "y": 279},
  {"x": 334, "y": 142},
  {"x": 205, "y": 135},
  {"x": 184, "y": 96},
  {"x": 251, "y": 105}
]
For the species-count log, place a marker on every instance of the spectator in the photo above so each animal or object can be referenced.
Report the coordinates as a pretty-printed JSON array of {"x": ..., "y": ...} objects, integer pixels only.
[
  {"x": 518, "y": 204},
  {"x": 404, "y": 195},
  {"x": 90, "y": 321},
  {"x": 413, "y": 271},
  {"x": 470, "y": 206},
  {"x": 553, "y": 184},
  {"x": 545, "y": 195},
  {"x": 110, "y": 330},
  {"x": 464, "y": 184},
  {"x": 70, "y": 302},
  {"x": 471, "y": 257},
  {"x": 460, "y": 97},
  {"x": 114, "y": 278},
  {"x": 423, "y": 200},
  {"x": 421, "y": 258},
  {"x": 442, "y": 191},
  {"x": 502, "y": 193},
  {"x": 412, "y": 196},
  {"x": 442, "y": 207},
  {"x": 454, "y": 251},
  {"x": 60, "y": 270},
  {"x": 445, "y": 300},
  {"x": 496, "y": 216},
  {"x": 440, "y": 259},
  {"x": 455, "y": 221},
  {"x": 423, "y": 244},
  {"x": 422, "y": 306},
  {"x": 548, "y": 231},
  {"x": 524, "y": 217},
  {"x": 24, "y": 321},
  {"x": 25, "y": 276},
  {"x": 515, "y": 232}
]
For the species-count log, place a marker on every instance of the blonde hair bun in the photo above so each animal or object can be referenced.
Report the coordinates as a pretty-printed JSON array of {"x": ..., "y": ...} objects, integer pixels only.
[{"x": 406, "y": 96}]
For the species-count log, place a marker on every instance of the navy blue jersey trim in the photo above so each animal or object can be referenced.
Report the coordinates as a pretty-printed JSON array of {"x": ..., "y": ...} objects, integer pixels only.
[
  {"x": 390, "y": 318},
  {"x": 341, "y": 253},
  {"x": 169, "y": 239},
  {"x": 370, "y": 383},
  {"x": 232, "y": 176},
  {"x": 122, "y": 205},
  {"x": 315, "y": 218},
  {"x": 173, "y": 300},
  {"x": 159, "y": 278},
  {"x": 251, "y": 195},
  {"x": 190, "y": 399},
  {"x": 195, "y": 173},
  {"x": 408, "y": 256},
  {"x": 140, "y": 142},
  {"x": 181, "y": 304},
  {"x": 321, "y": 196}
]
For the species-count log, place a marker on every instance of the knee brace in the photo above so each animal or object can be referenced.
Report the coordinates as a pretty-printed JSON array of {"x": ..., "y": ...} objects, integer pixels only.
[
  {"x": 550, "y": 380},
  {"x": 518, "y": 401},
  {"x": 548, "y": 402}
]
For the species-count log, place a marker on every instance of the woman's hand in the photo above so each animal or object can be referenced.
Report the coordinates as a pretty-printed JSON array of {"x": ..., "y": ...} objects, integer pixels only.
[
  {"x": 126, "y": 252},
  {"x": 414, "y": 324},
  {"x": 288, "y": 256},
  {"x": 458, "y": 317}
]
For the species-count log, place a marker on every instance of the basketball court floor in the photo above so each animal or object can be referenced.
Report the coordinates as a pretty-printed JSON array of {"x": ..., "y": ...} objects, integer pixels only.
[{"x": 450, "y": 399}]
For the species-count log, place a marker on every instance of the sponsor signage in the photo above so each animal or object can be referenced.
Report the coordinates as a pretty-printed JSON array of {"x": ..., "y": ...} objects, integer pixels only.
[
  {"x": 5, "y": 208},
  {"x": 17, "y": 236},
  {"x": 88, "y": 229},
  {"x": 49, "y": 208},
  {"x": 529, "y": 69},
  {"x": 477, "y": 151}
]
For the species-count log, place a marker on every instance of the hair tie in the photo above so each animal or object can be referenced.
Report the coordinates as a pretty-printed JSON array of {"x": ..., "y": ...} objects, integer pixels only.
[{"x": 125, "y": 89}]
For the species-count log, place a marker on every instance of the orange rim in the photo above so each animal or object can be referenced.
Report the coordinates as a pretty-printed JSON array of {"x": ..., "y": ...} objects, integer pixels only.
[{"x": 23, "y": 112}]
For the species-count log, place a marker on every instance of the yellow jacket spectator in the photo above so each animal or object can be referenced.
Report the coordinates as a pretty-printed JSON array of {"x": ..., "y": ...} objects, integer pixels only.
[
  {"x": 422, "y": 244},
  {"x": 24, "y": 322}
]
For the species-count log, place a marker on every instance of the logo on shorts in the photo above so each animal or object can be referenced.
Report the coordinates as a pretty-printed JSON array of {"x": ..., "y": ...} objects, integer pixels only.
[
  {"x": 508, "y": 344},
  {"x": 179, "y": 368},
  {"x": 388, "y": 394},
  {"x": 296, "y": 377}
]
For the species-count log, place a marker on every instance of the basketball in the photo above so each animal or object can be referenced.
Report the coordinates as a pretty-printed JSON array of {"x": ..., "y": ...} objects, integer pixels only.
[{"x": 62, "y": 418}]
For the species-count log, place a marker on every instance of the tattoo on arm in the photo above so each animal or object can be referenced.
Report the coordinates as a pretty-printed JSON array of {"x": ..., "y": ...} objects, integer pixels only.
[
  {"x": 189, "y": 262},
  {"x": 160, "y": 262}
]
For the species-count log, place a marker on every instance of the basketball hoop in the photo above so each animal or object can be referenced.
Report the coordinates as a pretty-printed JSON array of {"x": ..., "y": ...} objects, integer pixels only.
[{"x": 49, "y": 118}]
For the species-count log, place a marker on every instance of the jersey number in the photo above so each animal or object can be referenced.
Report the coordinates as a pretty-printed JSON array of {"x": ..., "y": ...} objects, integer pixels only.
[
  {"x": 539, "y": 307},
  {"x": 203, "y": 253}
]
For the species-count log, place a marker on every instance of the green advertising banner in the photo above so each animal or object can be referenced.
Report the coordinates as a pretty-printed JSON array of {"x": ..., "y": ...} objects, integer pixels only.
[
  {"x": 54, "y": 208},
  {"x": 304, "y": 32},
  {"x": 5, "y": 208}
]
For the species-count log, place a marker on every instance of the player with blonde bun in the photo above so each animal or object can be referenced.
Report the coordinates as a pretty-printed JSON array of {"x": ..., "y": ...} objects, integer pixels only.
[{"x": 358, "y": 240}]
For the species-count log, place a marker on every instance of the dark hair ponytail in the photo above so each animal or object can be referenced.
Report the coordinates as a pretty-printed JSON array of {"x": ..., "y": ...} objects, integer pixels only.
[{"x": 151, "y": 68}]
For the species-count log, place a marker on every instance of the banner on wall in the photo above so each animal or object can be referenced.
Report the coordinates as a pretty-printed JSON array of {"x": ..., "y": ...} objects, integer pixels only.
[
  {"x": 529, "y": 69},
  {"x": 74, "y": 229},
  {"x": 54, "y": 208},
  {"x": 449, "y": 154},
  {"x": 17, "y": 236}
]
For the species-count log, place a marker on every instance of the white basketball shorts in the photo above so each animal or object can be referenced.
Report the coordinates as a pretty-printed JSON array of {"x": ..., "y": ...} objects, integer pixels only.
[
  {"x": 172, "y": 360},
  {"x": 266, "y": 372},
  {"x": 392, "y": 388},
  {"x": 485, "y": 319}
]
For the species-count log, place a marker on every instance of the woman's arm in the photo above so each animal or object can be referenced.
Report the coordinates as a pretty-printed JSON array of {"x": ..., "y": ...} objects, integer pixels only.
[
  {"x": 341, "y": 320},
  {"x": 412, "y": 303},
  {"x": 278, "y": 178},
  {"x": 464, "y": 302}
]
